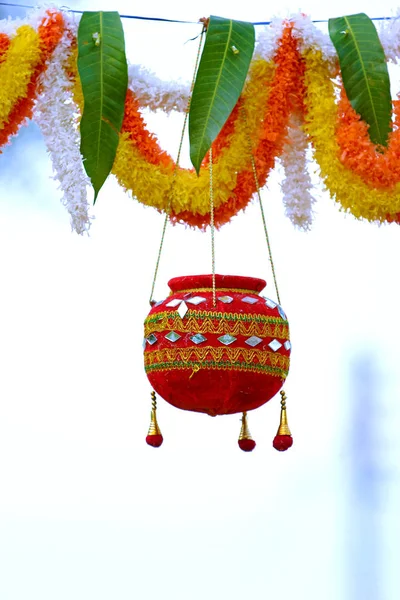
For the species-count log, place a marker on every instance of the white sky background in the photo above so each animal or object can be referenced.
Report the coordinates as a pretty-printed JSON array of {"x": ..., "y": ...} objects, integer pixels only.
[{"x": 87, "y": 509}]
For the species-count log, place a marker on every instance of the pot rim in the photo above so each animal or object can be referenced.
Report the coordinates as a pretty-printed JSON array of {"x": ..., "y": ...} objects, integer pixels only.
[{"x": 233, "y": 282}]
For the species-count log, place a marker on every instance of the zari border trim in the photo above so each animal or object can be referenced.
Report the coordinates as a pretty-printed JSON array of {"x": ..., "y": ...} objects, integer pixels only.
[
  {"x": 224, "y": 316},
  {"x": 195, "y": 367},
  {"x": 219, "y": 290},
  {"x": 217, "y": 356},
  {"x": 217, "y": 323}
]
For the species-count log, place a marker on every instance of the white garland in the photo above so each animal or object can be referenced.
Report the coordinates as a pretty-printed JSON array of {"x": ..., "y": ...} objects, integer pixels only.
[
  {"x": 310, "y": 36},
  {"x": 55, "y": 113},
  {"x": 297, "y": 198},
  {"x": 33, "y": 18},
  {"x": 268, "y": 40},
  {"x": 389, "y": 34},
  {"x": 154, "y": 93}
]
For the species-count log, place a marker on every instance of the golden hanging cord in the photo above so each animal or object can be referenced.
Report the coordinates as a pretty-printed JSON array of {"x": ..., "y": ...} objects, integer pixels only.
[
  {"x": 154, "y": 437},
  {"x": 214, "y": 291},
  {"x": 253, "y": 166},
  {"x": 283, "y": 439},
  {"x": 177, "y": 160},
  {"x": 245, "y": 441}
]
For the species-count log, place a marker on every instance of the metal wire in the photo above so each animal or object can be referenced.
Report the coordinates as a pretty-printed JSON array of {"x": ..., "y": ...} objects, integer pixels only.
[{"x": 162, "y": 20}]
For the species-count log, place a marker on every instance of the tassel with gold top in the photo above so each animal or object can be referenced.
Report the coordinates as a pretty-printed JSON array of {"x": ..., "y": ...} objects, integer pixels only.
[
  {"x": 245, "y": 441},
  {"x": 154, "y": 437},
  {"x": 283, "y": 439}
]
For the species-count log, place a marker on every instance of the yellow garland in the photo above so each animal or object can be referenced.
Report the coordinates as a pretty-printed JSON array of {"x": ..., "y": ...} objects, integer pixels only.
[
  {"x": 17, "y": 69},
  {"x": 345, "y": 186},
  {"x": 151, "y": 184}
]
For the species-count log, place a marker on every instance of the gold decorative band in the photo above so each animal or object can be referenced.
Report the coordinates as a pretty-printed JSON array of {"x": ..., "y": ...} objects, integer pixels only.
[
  {"x": 195, "y": 367},
  {"x": 217, "y": 323},
  {"x": 210, "y": 356},
  {"x": 219, "y": 291}
]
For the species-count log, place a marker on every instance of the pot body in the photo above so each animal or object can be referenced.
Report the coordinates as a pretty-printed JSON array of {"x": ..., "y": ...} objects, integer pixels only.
[{"x": 230, "y": 358}]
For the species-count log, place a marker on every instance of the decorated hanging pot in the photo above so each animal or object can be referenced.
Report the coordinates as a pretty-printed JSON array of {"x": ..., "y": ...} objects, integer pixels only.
[{"x": 222, "y": 359}]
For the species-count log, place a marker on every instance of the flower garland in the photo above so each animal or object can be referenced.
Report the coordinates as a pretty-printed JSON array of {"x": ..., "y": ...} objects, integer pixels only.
[
  {"x": 61, "y": 134},
  {"x": 151, "y": 183},
  {"x": 293, "y": 61},
  {"x": 297, "y": 198},
  {"x": 155, "y": 94},
  {"x": 389, "y": 35},
  {"x": 28, "y": 53},
  {"x": 235, "y": 185},
  {"x": 134, "y": 126},
  {"x": 4, "y": 45},
  {"x": 310, "y": 36},
  {"x": 268, "y": 40},
  {"x": 345, "y": 186},
  {"x": 21, "y": 57},
  {"x": 285, "y": 95},
  {"x": 378, "y": 167}
]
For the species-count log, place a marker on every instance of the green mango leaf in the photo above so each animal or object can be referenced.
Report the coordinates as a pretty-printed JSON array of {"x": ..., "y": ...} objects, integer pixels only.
[
  {"x": 103, "y": 72},
  {"x": 223, "y": 67},
  {"x": 364, "y": 72}
]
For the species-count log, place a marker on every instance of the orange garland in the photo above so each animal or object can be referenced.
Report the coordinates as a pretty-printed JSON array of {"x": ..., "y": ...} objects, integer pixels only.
[
  {"x": 50, "y": 32},
  {"x": 4, "y": 44},
  {"x": 378, "y": 167},
  {"x": 223, "y": 139},
  {"x": 134, "y": 125}
]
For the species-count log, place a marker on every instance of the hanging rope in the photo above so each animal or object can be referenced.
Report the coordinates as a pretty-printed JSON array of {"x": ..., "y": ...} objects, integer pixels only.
[
  {"x": 214, "y": 291},
  {"x": 177, "y": 164},
  {"x": 253, "y": 167}
]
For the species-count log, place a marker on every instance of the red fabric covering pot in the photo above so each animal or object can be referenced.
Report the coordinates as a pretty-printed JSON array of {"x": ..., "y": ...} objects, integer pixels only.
[{"x": 219, "y": 360}]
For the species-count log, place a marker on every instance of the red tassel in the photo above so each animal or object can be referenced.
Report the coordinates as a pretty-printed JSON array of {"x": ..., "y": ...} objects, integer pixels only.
[
  {"x": 154, "y": 440},
  {"x": 245, "y": 441},
  {"x": 282, "y": 442},
  {"x": 247, "y": 445}
]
